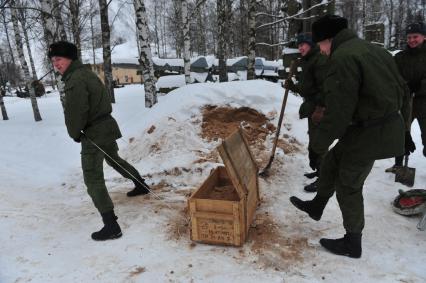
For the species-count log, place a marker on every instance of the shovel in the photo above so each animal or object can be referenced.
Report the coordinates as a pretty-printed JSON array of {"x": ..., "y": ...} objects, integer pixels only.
[
  {"x": 422, "y": 223},
  {"x": 405, "y": 175},
  {"x": 264, "y": 172}
]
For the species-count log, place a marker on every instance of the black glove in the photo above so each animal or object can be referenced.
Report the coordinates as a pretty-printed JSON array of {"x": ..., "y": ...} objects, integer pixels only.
[
  {"x": 409, "y": 144},
  {"x": 78, "y": 140},
  {"x": 414, "y": 86},
  {"x": 289, "y": 84}
]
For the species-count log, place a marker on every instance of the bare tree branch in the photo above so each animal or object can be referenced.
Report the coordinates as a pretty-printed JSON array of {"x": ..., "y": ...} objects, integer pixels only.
[
  {"x": 3, "y": 3},
  {"x": 295, "y": 16},
  {"x": 273, "y": 45}
]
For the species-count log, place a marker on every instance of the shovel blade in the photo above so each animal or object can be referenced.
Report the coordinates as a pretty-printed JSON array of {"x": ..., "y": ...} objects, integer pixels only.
[{"x": 405, "y": 176}]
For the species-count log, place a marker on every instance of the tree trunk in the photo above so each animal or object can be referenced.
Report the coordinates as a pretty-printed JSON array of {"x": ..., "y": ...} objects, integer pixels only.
[
  {"x": 19, "y": 47},
  {"x": 3, "y": 108},
  {"x": 186, "y": 41},
  {"x": 106, "y": 48},
  {"x": 75, "y": 26},
  {"x": 229, "y": 38},
  {"x": 50, "y": 36},
  {"x": 93, "y": 39},
  {"x": 145, "y": 57},
  {"x": 390, "y": 24},
  {"x": 201, "y": 36},
  {"x": 252, "y": 41},
  {"x": 23, "y": 21},
  {"x": 56, "y": 10},
  {"x": 221, "y": 48},
  {"x": 156, "y": 20},
  {"x": 8, "y": 39}
]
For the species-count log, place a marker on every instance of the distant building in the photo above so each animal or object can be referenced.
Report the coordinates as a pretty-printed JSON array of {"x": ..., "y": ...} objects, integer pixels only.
[
  {"x": 375, "y": 33},
  {"x": 122, "y": 73}
]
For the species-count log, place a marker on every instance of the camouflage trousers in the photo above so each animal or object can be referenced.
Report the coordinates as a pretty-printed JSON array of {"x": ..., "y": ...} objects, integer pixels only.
[
  {"x": 92, "y": 164},
  {"x": 314, "y": 158},
  {"x": 346, "y": 178}
]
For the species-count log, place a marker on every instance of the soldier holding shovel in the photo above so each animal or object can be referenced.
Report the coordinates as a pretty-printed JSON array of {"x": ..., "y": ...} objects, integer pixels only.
[
  {"x": 88, "y": 120},
  {"x": 411, "y": 63}
]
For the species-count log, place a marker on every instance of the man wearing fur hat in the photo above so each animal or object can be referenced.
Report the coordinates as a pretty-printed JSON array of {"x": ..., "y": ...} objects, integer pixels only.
[
  {"x": 412, "y": 65},
  {"x": 87, "y": 110},
  {"x": 309, "y": 87},
  {"x": 363, "y": 94}
]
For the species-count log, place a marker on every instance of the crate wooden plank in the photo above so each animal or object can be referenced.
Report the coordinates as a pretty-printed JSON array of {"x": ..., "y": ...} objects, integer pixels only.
[
  {"x": 216, "y": 231},
  {"x": 238, "y": 161},
  {"x": 214, "y": 215},
  {"x": 223, "y": 208}
]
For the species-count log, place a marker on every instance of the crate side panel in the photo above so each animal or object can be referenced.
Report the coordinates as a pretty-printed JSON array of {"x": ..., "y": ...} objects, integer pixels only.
[
  {"x": 208, "y": 184},
  {"x": 215, "y": 231}
]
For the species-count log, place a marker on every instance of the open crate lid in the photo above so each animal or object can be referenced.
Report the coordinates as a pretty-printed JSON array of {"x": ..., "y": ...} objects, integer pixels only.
[{"x": 239, "y": 163}]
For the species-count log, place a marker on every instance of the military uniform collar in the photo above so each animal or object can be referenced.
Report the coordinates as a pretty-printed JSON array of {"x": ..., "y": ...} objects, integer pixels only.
[
  {"x": 341, "y": 37},
  {"x": 314, "y": 50},
  {"x": 76, "y": 64},
  {"x": 417, "y": 50}
]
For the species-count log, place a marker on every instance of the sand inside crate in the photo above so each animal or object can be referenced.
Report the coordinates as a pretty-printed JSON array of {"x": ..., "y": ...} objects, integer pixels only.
[{"x": 226, "y": 192}]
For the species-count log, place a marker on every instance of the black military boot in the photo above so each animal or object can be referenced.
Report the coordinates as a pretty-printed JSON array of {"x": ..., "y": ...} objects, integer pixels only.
[
  {"x": 140, "y": 189},
  {"x": 312, "y": 187},
  {"x": 313, "y": 208},
  {"x": 349, "y": 245},
  {"x": 111, "y": 229},
  {"x": 311, "y": 175}
]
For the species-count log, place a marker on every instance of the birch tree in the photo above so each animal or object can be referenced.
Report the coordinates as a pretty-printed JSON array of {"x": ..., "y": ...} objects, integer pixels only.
[
  {"x": 23, "y": 20},
  {"x": 221, "y": 48},
  {"x": 2, "y": 89},
  {"x": 19, "y": 47},
  {"x": 57, "y": 11},
  {"x": 145, "y": 56},
  {"x": 53, "y": 32},
  {"x": 3, "y": 108},
  {"x": 106, "y": 48},
  {"x": 74, "y": 8},
  {"x": 252, "y": 40},
  {"x": 186, "y": 41},
  {"x": 6, "y": 32}
]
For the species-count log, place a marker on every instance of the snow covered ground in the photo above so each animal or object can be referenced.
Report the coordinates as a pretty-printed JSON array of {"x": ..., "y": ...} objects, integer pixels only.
[{"x": 46, "y": 217}]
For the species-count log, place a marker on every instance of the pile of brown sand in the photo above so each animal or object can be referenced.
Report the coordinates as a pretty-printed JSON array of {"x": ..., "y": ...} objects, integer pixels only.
[
  {"x": 274, "y": 249},
  {"x": 221, "y": 122}
]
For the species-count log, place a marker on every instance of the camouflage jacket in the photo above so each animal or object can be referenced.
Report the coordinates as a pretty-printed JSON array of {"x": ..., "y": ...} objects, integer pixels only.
[
  {"x": 87, "y": 106},
  {"x": 363, "y": 97}
]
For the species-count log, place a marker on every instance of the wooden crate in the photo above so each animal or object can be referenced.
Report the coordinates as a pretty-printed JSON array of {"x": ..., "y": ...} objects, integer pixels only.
[{"x": 222, "y": 209}]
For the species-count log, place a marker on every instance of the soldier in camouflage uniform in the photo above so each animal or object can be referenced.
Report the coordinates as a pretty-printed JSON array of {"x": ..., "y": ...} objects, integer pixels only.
[
  {"x": 412, "y": 65},
  {"x": 88, "y": 119},
  {"x": 313, "y": 65},
  {"x": 363, "y": 94}
]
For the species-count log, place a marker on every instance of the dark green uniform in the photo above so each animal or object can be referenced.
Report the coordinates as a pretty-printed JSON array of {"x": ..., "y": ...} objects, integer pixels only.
[
  {"x": 363, "y": 96},
  {"x": 309, "y": 87},
  {"x": 412, "y": 65},
  {"x": 88, "y": 109}
]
